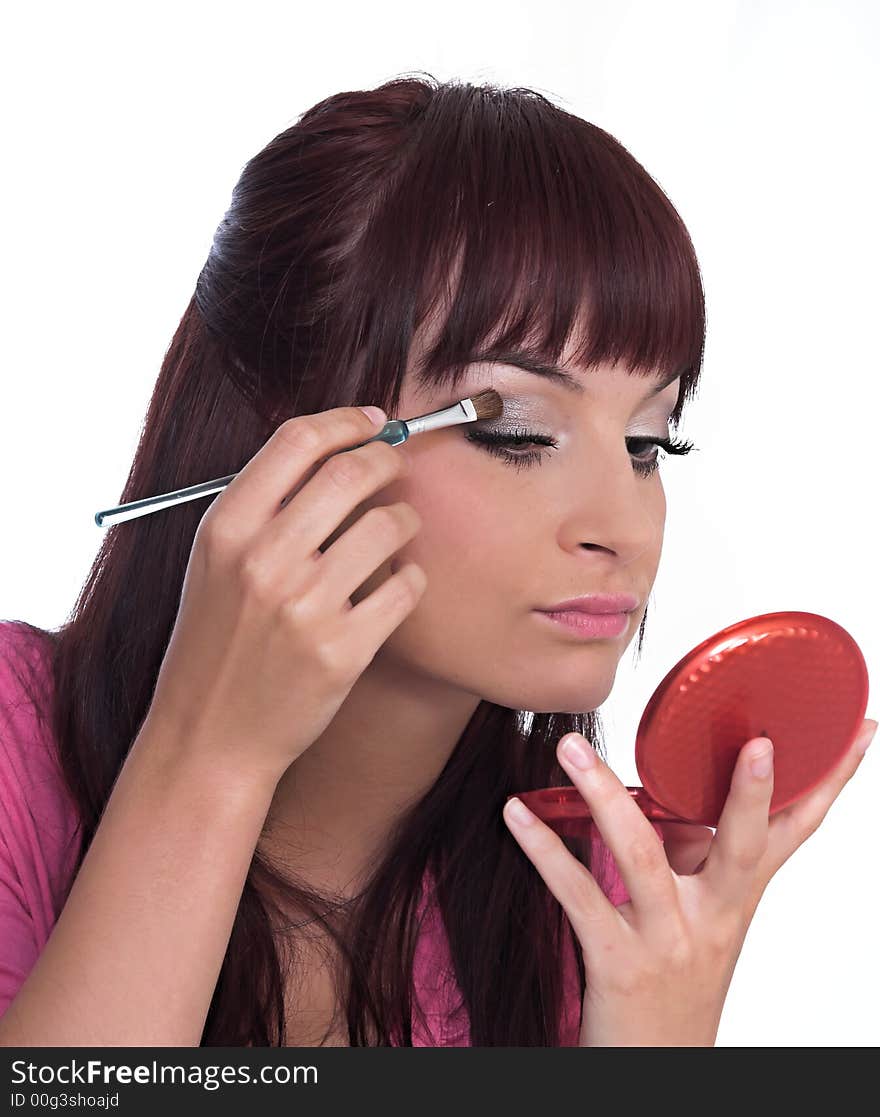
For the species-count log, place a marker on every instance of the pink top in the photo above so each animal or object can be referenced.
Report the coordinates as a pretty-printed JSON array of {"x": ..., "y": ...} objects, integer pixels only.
[{"x": 40, "y": 838}]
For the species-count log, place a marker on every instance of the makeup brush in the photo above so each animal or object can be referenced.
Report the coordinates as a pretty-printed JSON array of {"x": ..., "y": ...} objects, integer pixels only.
[{"x": 486, "y": 404}]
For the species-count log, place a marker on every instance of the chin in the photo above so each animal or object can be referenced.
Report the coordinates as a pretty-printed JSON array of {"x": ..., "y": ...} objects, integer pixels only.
[
  {"x": 583, "y": 706},
  {"x": 575, "y": 697}
]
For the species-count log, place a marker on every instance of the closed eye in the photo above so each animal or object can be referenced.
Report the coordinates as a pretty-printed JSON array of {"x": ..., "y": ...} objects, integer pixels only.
[{"x": 501, "y": 443}]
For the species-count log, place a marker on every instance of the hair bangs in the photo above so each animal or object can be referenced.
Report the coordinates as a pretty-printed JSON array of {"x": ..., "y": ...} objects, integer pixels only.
[{"x": 549, "y": 230}]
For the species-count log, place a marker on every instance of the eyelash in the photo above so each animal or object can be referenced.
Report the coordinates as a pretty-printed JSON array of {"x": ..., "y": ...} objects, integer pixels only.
[{"x": 496, "y": 442}]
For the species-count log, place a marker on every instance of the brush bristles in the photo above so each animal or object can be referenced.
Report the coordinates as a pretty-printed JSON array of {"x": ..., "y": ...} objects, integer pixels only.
[{"x": 487, "y": 404}]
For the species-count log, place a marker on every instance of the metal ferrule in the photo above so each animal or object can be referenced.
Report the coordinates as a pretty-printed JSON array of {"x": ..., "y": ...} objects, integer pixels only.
[{"x": 461, "y": 412}]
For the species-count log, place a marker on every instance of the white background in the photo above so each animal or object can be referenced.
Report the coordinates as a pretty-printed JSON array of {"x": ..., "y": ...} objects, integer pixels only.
[{"x": 125, "y": 133}]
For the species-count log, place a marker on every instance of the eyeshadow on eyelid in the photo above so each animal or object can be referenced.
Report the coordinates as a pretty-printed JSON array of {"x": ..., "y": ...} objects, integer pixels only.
[{"x": 536, "y": 405}]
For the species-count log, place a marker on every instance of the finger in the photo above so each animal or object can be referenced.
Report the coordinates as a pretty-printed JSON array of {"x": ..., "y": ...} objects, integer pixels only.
[
  {"x": 295, "y": 450},
  {"x": 595, "y": 921},
  {"x": 633, "y": 841},
  {"x": 333, "y": 498},
  {"x": 355, "y": 559},
  {"x": 741, "y": 837},
  {"x": 375, "y": 617},
  {"x": 790, "y": 827}
]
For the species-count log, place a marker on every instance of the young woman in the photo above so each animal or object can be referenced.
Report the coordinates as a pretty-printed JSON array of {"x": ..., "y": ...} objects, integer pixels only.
[{"x": 253, "y": 791}]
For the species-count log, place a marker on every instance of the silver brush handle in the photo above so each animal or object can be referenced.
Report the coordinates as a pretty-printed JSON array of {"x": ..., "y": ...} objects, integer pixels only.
[
  {"x": 135, "y": 508},
  {"x": 394, "y": 432}
]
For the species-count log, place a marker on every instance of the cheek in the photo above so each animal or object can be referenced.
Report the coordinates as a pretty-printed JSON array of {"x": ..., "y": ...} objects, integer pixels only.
[
  {"x": 467, "y": 545},
  {"x": 463, "y": 532},
  {"x": 475, "y": 600}
]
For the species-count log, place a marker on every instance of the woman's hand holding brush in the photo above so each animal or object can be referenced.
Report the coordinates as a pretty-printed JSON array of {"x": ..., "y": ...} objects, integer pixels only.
[{"x": 267, "y": 644}]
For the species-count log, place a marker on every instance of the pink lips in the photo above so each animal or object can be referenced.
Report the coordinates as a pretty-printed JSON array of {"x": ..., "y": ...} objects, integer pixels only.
[
  {"x": 593, "y": 615},
  {"x": 590, "y": 625},
  {"x": 596, "y": 603}
]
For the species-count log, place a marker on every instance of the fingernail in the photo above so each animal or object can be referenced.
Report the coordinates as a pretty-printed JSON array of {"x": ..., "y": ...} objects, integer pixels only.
[
  {"x": 762, "y": 763},
  {"x": 375, "y": 414},
  {"x": 866, "y": 740},
  {"x": 519, "y": 812},
  {"x": 575, "y": 751}
]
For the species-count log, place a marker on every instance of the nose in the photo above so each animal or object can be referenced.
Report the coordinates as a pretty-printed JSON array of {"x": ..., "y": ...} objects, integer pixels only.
[{"x": 614, "y": 512}]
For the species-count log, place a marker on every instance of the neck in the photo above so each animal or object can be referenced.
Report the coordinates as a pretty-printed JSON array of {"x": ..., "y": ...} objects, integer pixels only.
[{"x": 335, "y": 807}]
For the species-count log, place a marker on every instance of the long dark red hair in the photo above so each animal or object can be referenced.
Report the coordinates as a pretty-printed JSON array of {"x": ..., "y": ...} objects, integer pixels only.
[{"x": 341, "y": 236}]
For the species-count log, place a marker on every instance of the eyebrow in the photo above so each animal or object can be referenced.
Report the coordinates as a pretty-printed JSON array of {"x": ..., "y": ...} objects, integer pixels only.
[{"x": 553, "y": 372}]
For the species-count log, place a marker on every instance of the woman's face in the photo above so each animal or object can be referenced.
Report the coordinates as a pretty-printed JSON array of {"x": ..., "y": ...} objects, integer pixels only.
[{"x": 501, "y": 539}]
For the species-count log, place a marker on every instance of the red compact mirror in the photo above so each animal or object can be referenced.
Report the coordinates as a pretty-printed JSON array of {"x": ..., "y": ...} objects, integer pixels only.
[{"x": 797, "y": 678}]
